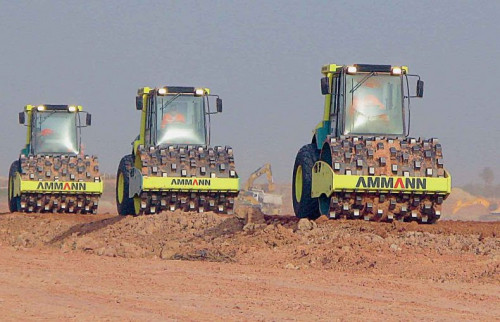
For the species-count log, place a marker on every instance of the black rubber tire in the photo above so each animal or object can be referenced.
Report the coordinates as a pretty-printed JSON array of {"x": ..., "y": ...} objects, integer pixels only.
[
  {"x": 307, "y": 207},
  {"x": 126, "y": 207},
  {"x": 14, "y": 201}
]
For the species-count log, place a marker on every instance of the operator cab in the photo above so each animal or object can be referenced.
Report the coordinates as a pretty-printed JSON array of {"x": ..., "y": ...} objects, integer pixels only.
[
  {"x": 179, "y": 119},
  {"x": 53, "y": 129},
  {"x": 367, "y": 99},
  {"x": 177, "y": 115}
]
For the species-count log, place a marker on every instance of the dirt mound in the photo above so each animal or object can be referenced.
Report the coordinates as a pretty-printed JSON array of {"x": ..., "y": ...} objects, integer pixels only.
[
  {"x": 475, "y": 212},
  {"x": 447, "y": 250}
]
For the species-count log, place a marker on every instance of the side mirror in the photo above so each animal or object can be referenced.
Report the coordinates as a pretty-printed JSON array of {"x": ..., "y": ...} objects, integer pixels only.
[
  {"x": 420, "y": 88},
  {"x": 219, "y": 105},
  {"x": 325, "y": 86},
  {"x": 21, "y": 118},
  {"x": 138, "y": 102},
  {"x": 88, "y": 120}
]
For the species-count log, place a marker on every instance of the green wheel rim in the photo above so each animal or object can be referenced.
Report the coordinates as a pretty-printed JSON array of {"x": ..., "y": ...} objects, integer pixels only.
[
  {"x": 11, "y": 188},
  {"x": 121, "y": 188},
  {"x": 298, "y": 183},
  {"x": 137, "y": 205}
]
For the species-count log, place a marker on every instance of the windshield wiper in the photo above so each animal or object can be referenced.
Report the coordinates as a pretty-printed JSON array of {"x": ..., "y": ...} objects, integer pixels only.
[
  {"x": 44, "y": 117},
  {"x": 169, "y": 101},
  {"x": 362, "y": 81}
]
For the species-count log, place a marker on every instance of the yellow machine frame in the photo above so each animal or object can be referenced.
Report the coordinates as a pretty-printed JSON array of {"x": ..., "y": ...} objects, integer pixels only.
[
  {"x": 325, "y": 181},
  {"x": 69, "y": 187},
  {"x": 173, "y": 183}
]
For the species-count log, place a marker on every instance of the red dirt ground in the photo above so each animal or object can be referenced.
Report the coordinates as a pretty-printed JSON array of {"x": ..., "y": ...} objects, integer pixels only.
[{"x": 192, "y": 266}]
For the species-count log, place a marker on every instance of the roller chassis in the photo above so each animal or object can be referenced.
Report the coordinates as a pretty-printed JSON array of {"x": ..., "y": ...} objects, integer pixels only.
[
  {"x": 55, "y": 183},
  {"x": 185, "y": 177},
  {"x": 381, "y": 179},
  {"x": 387, "y": 176}
]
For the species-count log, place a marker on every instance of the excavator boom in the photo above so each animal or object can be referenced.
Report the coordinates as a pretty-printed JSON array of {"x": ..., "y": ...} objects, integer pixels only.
[
  {"x": 265, "y": 169},
  {"x": 265, "y": 199}
]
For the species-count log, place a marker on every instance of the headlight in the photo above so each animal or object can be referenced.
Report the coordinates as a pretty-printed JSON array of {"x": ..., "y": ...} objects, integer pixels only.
[
  {"x": 162, "y": 91},
  {"x": 199, "y": 92},
  {"x": 72, "y": 108},
  {"x": 396, "y": 71},
  {"x": 351, "y": 70},
  {"x": 40, "y": 108}
]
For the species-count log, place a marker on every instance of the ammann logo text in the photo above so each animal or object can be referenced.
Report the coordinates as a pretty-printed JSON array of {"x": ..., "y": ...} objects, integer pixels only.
[
  {"x": 390, "y": 183},
  {"x": 61, "y": 186},
  {"x": 190, "y": 182}
]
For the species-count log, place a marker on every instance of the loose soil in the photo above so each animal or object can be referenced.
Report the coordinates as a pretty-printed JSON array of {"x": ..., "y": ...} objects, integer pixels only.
[{"x": 205, "y": 266}]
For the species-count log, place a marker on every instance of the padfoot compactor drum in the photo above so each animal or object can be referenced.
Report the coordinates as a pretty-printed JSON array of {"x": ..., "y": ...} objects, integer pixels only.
[
  {"x": 172, "y": 165},
  {"x": 361, "y": 163},
  {"x": 52, "y": 174}
]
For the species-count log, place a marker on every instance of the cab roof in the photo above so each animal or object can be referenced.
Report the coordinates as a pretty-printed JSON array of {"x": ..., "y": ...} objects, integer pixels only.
[{"x": 53, "y": 107}]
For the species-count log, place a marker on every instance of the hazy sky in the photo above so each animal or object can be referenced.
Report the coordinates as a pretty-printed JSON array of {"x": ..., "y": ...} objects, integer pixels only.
[{"x": 263, "y": 58}]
